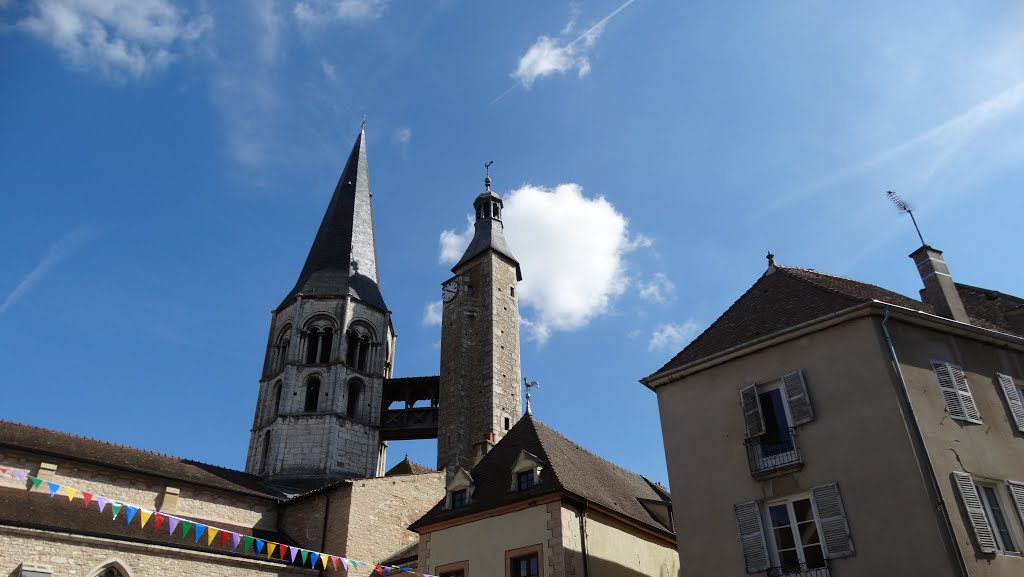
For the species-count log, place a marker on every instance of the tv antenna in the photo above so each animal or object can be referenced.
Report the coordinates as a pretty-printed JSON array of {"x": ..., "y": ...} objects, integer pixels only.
[
  {"x": 529, "y": 385},
  {"x": 902, "y": 206}
]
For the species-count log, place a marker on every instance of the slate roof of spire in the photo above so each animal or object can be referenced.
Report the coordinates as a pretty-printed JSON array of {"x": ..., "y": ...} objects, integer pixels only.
[
  {"x": 343, "y": 258},
  {"x": 488, "y": 233},
  {"x": 785, "y": 297},
  {"x": 567, "y": 467}
]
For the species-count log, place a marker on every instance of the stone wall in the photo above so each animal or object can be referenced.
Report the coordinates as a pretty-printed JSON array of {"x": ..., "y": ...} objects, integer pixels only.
[{"x": 383, "y": 508}]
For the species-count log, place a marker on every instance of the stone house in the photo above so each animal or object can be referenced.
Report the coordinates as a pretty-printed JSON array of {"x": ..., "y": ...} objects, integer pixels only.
[{"x": 824, "y": 426}]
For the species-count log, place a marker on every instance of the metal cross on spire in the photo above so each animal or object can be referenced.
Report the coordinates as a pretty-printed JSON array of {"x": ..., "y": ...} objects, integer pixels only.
[{"x": 529, "y": 385}]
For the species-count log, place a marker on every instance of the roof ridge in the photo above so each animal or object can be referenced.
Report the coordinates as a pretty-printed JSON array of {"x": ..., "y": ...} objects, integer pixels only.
[
  {"x": 119, "y": 445},
  {"x": 833, "y": 290},
  {"x": 581, "y": 448}
]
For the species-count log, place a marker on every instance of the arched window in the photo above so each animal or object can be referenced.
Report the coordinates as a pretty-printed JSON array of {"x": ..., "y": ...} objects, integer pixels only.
[
  {"x": 282, "y": 353},
  {"x": 112, "y": 570},
  {"x": 277, "y": 398},
  {"x": 319, "y": 341},
  {"x": 312, "y": 394},
  {"x": 265, "y": 456},
  {"x": 360, "y": 341},
  {"x": 355, "y": 389}
]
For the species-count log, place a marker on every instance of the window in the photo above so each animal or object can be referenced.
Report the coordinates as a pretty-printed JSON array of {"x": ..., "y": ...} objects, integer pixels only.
[
  {"x": 524, "y": 562},
  {"x": 265, "y": 456},
  {"x": 524, "y": 480},
  {"x": 312, "y": 395},
  {"x": 360, "y": 342},
  {"x": 990, "y": 512},
  {"x": 770, "y": 413},
  {"x": 1013, "y": 392},
  {"x": 319, "y": 341},
  {"x": 458, "y": 498},
  {"x": 795, "y": 536},
  {"x": 277, "y": 398},
  {"x": 355, "y": 388},
  {"x": 955, "y": 392}
]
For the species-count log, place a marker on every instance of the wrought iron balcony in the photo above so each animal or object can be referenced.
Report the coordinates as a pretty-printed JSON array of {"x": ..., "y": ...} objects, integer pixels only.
[
  {"x": 800, "y": 570},
  {"x": 770, "y": 454}
]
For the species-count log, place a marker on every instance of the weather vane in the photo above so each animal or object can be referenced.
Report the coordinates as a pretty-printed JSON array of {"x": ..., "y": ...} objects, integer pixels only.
[
  {"x": 529, "y": 385},
  {"x": 487, "y": 175},
  {"x": 903, "y": 206}
]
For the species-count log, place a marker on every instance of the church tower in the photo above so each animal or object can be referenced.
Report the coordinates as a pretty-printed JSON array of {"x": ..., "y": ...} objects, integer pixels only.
[
  {"x": 330, "y": 347},
  {"x": 479, "y": 397}
]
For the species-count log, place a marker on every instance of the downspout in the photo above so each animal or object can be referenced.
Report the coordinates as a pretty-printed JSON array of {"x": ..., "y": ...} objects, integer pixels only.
[
  {"x": 919, "y": 440},
  {"x": 583, "y": 539}
]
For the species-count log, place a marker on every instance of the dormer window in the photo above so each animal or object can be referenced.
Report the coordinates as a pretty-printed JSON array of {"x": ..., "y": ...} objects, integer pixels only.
[
  {"x": 525, "y": 480},
  {"x": 459, "y": 498},
  {"x": 526, "y": 472}
]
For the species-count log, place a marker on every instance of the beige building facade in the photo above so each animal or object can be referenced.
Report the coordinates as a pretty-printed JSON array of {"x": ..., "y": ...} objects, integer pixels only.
[{"x": 825, "y": 426}]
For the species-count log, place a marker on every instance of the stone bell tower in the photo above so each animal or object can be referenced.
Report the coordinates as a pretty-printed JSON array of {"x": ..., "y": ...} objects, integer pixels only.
[
  {"x": 330, "y": 347},
  {"x": 480, "y": 373}
]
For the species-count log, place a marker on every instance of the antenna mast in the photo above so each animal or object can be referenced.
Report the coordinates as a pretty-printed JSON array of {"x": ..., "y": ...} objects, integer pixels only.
[{"x": 902, "y": 206}]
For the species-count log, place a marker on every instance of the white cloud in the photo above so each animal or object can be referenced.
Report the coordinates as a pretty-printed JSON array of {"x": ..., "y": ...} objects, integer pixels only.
[
  {"x": 658, "y": 289},
  {"x": 330, "y": 72},
  {"x": 673, "y": 336},
  {"x": 432, "y": 314},
  {"x": 403, "y": 135},
  {"x": 118, "y": 38},
  {"x": 58, "y": 251},
  {"x": 549, "y": 56},
  {"x": 571, "y": 248},
  {"x": 314, "y": 12}
]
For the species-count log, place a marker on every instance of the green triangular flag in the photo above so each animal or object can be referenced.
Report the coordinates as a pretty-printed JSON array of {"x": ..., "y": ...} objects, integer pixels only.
[
  {"x": 305, "y": 555},
  {"x": 246, "y": 543},
  {"x": 36, "y": 481},
  {"x": 185, "y": 526},
  {"x": 115, "y": 508}
]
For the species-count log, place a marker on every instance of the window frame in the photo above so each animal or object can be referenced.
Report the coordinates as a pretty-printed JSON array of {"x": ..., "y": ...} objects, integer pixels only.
[
  {"x": 1006, "y": 511},
  {"x": 769, "y": 530},
  {"x": 523, "y": 552},
  {"x": 456, "y": 493},
  {"x": 457, "y": 569},
  {"x": 531, "y": 483}
]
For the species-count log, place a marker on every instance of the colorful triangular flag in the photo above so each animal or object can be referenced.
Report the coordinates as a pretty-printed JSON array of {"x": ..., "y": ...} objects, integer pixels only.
[
  {"x": 259, "y": 545},
  {"x": 144, "y": 516},
  {"x": 304, "y": 554},
  {"x": 314, "y": 558},
  {"x": 210, "y": 534},
  {"x": 224, "y": 536},
  {"x": 87, "y": 497},
  {"x": 131, "y": 511},
  {"x": 323, "y": 560},
  {"x": 115, "y": 508},
  {"x": 101, "y": 502},
  {"x": 344, "y": 563},
  {"x": 270, "y": 549},
  {"x": 235, "y": 540},
  {"x": 334, "y": 561},
  {"x": 54, "y": 487},
  {"x": 185, "y": 527},
  {"x": 71, "y": 493},
  {"x": 172, "y": 524},
  {"x": 294, "y": 551},
  {"x": 159, "y": 521},
  {"x": 200, "y": 529},
  {"x": 247, "y": 543},
  {"x": 282, "y": 551}
]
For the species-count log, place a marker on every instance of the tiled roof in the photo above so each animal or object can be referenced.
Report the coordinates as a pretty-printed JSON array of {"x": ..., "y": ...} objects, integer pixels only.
[
  {"x": 109, "y": 455},
  {"x": 789, "y": 296},
  {"x": 566, "y": 467},
  {"x": 343, "y": 258},
  {"x": 407, "y": 467},
  {"x": 1002, "y": 311}
]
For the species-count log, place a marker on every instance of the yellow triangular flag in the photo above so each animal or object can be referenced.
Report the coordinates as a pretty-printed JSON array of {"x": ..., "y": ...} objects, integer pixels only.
[
  {"x": 270, "y": 549},
  {"x": 71, "y": 493},
  {"x": 145, "y": 516},
  {"x": 323, "y": 559},
  {"x": 210, "y": 534}
]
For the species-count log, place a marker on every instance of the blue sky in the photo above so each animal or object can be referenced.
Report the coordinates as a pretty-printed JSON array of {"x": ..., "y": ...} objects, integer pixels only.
[{"x": 166, "y": 165}]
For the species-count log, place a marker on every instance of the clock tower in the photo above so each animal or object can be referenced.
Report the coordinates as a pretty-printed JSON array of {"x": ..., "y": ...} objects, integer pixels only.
[{"x": 479, "y": 398}]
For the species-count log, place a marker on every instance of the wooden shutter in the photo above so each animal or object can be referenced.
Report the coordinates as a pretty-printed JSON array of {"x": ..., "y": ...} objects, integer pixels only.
[
  {"x": 752, "y": 411},
  {"x": 755, "y": 551},
  {"x": 835, "y": 531},
  {"x": 975, "y": 511},
  {"x": 1017, "y": 492},
  {"x": 955, "y": 392},
  {"x": 1013, "y": 399},
  {"x": 796, "y": 395}
]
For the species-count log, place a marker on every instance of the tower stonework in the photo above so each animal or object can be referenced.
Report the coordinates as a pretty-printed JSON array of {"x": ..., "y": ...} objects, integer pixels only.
[
  {"x": 479, "y": 396},
  {"x": 330, "y": 347}
]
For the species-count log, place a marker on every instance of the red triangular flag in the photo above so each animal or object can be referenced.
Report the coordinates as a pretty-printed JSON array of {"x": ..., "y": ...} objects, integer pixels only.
[
  {"x": 283, "y": 550},
  {"x": 158, "y": 522},
  {"x": 87, "y": 497},
  {"x": 334, "y": 561},
  {"x": 224, "y": 536}
]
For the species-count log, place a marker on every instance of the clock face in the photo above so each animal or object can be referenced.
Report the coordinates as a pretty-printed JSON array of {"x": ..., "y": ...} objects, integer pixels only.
[{"x": 449, "y": 291}]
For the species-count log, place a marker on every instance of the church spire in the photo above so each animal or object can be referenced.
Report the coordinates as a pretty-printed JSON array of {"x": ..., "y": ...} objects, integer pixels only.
[{"x": 343, "y": 258}]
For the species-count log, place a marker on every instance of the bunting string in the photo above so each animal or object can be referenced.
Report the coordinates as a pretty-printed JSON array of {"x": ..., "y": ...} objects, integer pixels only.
[{"x": 206, "y": 535}]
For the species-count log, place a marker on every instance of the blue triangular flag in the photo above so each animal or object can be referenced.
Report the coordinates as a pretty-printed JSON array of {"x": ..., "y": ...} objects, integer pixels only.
[
  {"x": 131, "y": 513},
  {"x": 54, "y": 487},
  {"x": 259, "y": 546},
  {"x": 313, "y": 558},
  {"x": 200, "y": 531}
]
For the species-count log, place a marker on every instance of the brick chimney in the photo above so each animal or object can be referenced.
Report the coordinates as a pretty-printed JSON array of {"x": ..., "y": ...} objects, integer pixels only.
[{"x": 939, "y": 290}]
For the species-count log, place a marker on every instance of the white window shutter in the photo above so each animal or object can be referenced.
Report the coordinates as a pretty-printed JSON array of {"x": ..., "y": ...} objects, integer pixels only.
[
  {"x": 755, "y": 550},
  {"x": 955, "y": 392},
  {"x": 975, "y": 511},
  {"x": 1013, "y": 399},
  {"x": 796, "y": 395},
  {"x": 835, "y": 531},
  {"x": 1017, "y": 492},
  {"x": 752, "y": 411}
]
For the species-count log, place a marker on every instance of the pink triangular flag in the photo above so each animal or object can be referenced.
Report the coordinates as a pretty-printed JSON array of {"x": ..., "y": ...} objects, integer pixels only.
[
  {"x": 101, "y": 502},
  {"x": 172, "y": 524}
]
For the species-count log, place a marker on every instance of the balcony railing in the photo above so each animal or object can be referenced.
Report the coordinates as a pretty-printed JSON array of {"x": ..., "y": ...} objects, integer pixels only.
[
  {"x": 769, "y": 454},
  {"x": 800, "y": 570}
]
